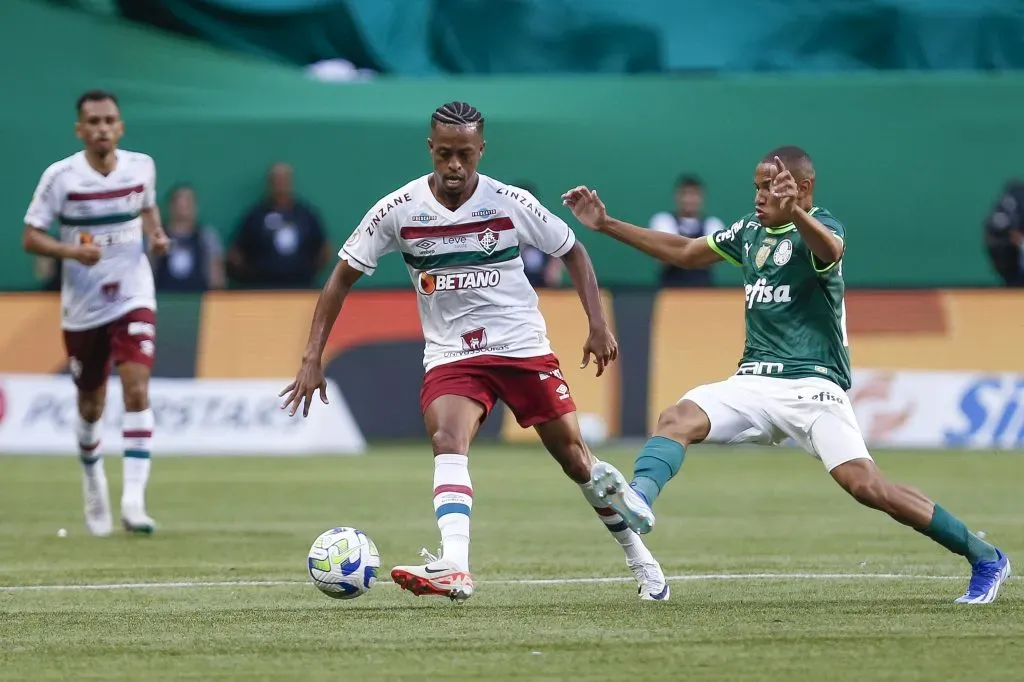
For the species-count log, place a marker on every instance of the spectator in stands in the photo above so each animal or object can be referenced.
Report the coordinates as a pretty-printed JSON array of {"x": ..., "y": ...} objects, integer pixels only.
[
  {"x": 542, "y": 270},
  {"x": 281, "y": 243},
  {"x": 195, "y": 259},
  {"x": 687, "y": 220},
  {"x": 1004, "y": 234}
]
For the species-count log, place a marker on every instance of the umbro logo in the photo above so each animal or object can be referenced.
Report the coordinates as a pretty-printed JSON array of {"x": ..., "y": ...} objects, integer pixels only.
[{"x": 425, "y": 244}]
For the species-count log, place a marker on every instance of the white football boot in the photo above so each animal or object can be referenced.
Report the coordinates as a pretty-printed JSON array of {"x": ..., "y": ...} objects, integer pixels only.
[
  {"x": 134, "y": 518},
  {"x": 611, "y": 486},
  {"x": 98, "y": 519},
  {"x": 650, "y": 579},
  {"x": 438, "y": 576}
]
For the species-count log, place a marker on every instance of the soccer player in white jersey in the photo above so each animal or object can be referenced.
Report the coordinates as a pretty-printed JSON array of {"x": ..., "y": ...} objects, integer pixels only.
[
  {"x": 792, "y": 379},
  {"x": 460, "y": 234},
  {"x": 103, "y": 199}
]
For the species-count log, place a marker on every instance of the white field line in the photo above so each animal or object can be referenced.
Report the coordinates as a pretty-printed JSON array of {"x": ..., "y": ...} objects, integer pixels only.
[{"x": 540, "y": 581}]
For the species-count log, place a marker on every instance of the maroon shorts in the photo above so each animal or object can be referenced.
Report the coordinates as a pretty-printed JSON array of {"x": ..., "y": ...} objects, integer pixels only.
[
  {"x": 533, "y": 388},
  {"x": 130, "y": 338}
]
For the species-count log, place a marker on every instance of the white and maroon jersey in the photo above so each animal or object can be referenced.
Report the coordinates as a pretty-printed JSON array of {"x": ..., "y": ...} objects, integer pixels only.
[
  {"x": 103, "y": 210},
  {"x": 474, "y": 297}
]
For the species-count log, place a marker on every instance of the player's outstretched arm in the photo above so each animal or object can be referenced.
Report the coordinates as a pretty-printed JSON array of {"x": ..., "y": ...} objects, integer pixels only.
[
  {"x": 669, "y": 248},
  {"x": 310, "y": 377},
  {"x": 600, "y": 341}
]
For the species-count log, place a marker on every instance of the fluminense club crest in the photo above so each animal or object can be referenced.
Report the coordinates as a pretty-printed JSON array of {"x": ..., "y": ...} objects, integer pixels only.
[{"x": 488, "y": 240}]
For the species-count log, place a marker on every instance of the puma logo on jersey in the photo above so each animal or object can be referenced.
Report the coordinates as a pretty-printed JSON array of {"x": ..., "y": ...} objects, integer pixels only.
[
  {"x": 762, "y": 292},
  {"x": 478, "y": 279}
]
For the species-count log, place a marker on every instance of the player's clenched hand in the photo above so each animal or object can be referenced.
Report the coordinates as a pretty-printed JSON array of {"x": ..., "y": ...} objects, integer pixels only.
[
  {"x": 603, "y": 346},
  {"x": 158, "y": 242},
  {"x": 586, "y": 206},
  {"x": 784, "y": 187},
  {"x": 300, "y": 392},
  {"x": 87, "y": 254}
]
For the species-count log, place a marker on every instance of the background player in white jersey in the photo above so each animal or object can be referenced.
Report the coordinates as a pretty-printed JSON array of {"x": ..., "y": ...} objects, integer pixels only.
[
  {"x": 103, "y": 198},
  {"x": 795, "y": 370},
  {"x": 460, "y": 235}
]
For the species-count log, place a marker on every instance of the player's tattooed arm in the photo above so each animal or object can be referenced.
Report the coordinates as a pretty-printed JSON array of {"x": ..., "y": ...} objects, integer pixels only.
[
  {"x": 310, "y": 377},
  {"x": 600, "y": 340},
  {"x": 669, "y": 248}
]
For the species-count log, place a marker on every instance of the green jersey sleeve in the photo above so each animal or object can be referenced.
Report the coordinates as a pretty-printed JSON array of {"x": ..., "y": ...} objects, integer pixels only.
[
  {"x": 729, "y": 243},
  {"x": 836, "y": 227}
]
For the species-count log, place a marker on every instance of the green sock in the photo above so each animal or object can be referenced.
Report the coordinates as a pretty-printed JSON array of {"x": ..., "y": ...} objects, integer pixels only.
[
  {"x": 658, "y": 461},
  {"x": 951, "y": 533}
]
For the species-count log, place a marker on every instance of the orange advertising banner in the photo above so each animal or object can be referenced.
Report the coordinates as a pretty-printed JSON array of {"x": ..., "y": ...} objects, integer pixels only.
[{"x": 697, "y": 337}]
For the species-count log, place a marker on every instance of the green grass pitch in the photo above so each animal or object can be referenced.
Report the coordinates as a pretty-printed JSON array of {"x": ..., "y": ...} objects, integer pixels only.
[{"x": 860, "y": 598}]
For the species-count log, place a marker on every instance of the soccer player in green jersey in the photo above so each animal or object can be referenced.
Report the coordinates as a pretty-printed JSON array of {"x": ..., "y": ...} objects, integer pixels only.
[{"x": 795, "y": 370}]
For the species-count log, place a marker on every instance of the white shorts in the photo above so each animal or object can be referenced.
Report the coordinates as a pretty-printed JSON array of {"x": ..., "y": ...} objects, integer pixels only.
[{"x": 814, "y": 412}]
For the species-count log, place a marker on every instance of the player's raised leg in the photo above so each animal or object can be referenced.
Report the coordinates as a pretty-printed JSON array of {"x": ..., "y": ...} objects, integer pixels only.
[
  {"x": 452, "y": 422},
  {"x": 657, "y": 462},
  {"x": 722, "y": 412},
  {"x": 133, "y": 349},
  {"x": 88, "y": 357},
  {"x": 841, "y": 448},
  {"x": 561, "y": 436}
]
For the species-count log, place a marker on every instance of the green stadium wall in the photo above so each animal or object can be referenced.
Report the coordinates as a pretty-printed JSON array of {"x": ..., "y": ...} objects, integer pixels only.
[{"x": 910, "y": 163}]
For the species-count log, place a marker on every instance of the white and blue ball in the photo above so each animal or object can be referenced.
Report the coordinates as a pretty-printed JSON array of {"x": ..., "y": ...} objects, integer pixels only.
[{"x": 343, "y": 563}]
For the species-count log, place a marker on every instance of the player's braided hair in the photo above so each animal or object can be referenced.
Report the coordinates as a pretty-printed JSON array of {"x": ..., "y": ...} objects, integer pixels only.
[{"x": 458, "y": 114}]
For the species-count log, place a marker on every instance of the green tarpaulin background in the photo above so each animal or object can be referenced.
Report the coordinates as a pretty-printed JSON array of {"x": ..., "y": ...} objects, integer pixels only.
[{"x": 911, "y": 163}]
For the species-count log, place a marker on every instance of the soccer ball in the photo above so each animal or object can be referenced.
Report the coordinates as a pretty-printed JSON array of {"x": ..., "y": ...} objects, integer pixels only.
[{"x": 343, "y": 563}]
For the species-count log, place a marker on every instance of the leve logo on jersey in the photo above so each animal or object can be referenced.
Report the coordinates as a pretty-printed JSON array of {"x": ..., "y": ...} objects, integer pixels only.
[
  {"x": 453, "y": 281},
  {"x": 762, "y": 292}
]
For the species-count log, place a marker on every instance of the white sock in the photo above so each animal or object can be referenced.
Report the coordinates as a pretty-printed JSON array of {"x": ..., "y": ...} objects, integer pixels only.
[
  {"x": 88, "y": 435},
  {"x": 453, "y": 504},
  {"x": 138, "y": 433},
  {"x": 629, "y": 540}
]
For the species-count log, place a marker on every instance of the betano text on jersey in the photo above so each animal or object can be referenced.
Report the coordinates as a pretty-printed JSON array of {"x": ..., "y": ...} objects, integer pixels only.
[
  {"x": 104, "y": 210},
  {"x": 473, "y": 295}
]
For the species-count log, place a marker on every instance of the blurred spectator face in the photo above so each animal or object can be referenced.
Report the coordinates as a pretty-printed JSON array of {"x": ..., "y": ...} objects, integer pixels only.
[
  {"x": 183, "y": 207},
  {"x": 279, "y": 183},
  {"x": 689, "y": 200}
]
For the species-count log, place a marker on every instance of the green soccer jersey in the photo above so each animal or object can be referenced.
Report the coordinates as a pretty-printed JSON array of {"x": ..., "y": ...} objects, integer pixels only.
[{"x": 796, "y": 315}]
